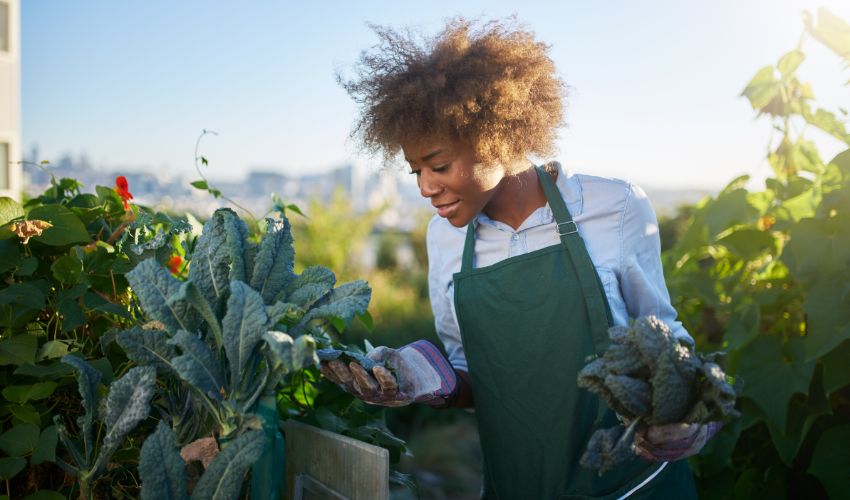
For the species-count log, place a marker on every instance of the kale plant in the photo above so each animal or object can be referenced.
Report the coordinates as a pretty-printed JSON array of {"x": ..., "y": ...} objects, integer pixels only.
[
  {"x": 229, "y": 334},
  {"x": 127, "y": 404},
  {"x": 650, "y": 378}
]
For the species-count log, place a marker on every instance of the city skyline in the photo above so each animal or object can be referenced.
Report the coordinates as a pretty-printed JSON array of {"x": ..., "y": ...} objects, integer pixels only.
[{"x": 654, "y": 89}]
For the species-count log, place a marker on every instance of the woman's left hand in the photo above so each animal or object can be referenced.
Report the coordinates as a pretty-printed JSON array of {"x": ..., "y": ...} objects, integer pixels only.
[{"x": 664, "y": 443}]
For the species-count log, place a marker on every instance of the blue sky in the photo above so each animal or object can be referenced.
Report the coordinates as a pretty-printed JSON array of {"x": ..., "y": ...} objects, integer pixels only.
[{"x": 654, "y": 84}]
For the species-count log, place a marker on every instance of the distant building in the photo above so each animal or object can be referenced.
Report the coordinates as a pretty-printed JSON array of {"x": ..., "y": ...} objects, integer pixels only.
[{"x": 10, "y": 99}]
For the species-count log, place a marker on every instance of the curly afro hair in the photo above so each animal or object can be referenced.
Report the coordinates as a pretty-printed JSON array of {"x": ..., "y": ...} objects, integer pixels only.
[{"x": 493, "y": 86}]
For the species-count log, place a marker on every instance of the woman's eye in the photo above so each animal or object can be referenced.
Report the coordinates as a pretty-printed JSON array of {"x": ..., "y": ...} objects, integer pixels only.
[{"x": 441, "y": 168}]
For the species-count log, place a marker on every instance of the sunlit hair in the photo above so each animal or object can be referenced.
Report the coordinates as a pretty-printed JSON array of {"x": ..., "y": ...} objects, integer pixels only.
[{"x": 493, "y": 86}]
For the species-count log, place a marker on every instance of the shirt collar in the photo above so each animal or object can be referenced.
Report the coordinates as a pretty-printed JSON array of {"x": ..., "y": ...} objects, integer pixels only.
[{"x": 569, "y": 187}]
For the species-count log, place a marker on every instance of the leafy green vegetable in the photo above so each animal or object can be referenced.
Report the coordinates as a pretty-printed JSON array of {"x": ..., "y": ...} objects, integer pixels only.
[
  {"x": 161, "y": 469},
  {"x": 648, "y": 377}
]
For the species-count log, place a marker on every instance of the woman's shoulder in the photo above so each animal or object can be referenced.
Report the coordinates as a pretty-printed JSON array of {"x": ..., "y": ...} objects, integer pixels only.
[{"x": 597, "y": 193}]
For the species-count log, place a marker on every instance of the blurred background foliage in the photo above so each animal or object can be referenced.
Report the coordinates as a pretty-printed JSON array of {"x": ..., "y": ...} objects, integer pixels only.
[{"x": 763, "y": 274}]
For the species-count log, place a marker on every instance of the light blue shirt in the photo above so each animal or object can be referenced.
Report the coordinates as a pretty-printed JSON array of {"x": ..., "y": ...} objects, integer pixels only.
[{"x": 618, "y": 225}]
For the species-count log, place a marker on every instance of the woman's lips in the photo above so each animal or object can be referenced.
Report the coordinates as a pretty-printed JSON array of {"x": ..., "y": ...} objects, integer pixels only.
[{"x": 447, "y": 210}]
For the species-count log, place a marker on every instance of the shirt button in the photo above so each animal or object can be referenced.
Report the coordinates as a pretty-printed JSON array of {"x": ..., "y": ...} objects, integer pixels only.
[{"x": 515, "y": 237}]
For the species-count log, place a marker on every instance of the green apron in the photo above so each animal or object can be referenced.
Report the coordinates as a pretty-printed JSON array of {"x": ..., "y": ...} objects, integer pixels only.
[{"x": 528, "y": 325}]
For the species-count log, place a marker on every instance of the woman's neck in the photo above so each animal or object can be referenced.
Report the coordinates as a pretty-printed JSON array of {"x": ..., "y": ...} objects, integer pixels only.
[{"x": 518, "y": 196}]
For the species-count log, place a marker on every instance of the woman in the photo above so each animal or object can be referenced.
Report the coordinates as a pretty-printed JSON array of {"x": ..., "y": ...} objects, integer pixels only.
[{"x": 528, "y": 266}]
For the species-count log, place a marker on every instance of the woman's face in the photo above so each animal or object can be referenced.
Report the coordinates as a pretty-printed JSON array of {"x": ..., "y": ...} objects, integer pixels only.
[{"x": 447, "y": 172}]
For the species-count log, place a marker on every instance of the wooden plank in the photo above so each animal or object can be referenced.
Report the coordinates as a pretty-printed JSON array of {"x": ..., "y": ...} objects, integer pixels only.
[{"x": 357, "y": 470}]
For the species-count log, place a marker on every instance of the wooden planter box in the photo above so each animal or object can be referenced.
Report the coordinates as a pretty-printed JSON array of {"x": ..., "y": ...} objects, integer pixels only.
[{"x": 322, "y": 465}]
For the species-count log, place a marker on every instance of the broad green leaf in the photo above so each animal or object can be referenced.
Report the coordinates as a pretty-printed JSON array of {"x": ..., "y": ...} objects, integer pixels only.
[
  {"x": 51, "y": 370},
  {"x": 197, "y": 365},
  {"x": 199, "y": 184},
  {"x": 154, "y": 286},
  {"x": 18, "y": 350},
  {"x": 748, "y": 243},
  {"x": 147, "y": 347},
  {"x": 28, "y": 266},
  {"x": 743, "y": 326},
  {"x": 310, "y": 286},
  {"x": 829, "y": 123},
  {"x": 67, "y": 269},
  {"x": 52, "y": 349},
  {"x": 23, "y": 294},
  {"x": 343, "y": 302},
  {"x": 46, "y": 449},
  {"x": 773, "y": 371},
  {"x": 219, "y": 257},
  {"x": 21, "y": 394},
  {"x": 26, "y": 414},
  {"x": 802, "y": 414},
  {"x": 9, "y": 210},
  {"x": 762, "y": 89},
  {"x": 10, "y": 254},
  {"x": 831, "y": 31},
  {"x": 789, "y": 63},
  {"x": 836, "y": 369},
  {"x": 798, "y": 207},
  {"x": 9, "y": 467},
  {"x": 189, "y": 293},
  {"x": 104, "y": 366},
  {"x": 728, "y": 209},
  {"x": 243, "y": 327},
  {"x": 67, "y": 227},
  {"x": 72, "y": 315},
  {"x": 162, "y": 471},
  {"x": 275, "y": 261},
  {"x": 827, "y": 307},
  {"x": 223, "y": 478},
  {"x": 818, "y": 248},
  {"x": 127, "y": 404},
  {"x": 97, "y": 303},
  {"x": 20, "y": 440},
  {"x": 830, "y": 459}
]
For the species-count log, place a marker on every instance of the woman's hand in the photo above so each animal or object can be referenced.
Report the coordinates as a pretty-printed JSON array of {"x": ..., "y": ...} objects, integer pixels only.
[
  {"x": 416, "y": 372},
  {"x": 664, "y": 443}
]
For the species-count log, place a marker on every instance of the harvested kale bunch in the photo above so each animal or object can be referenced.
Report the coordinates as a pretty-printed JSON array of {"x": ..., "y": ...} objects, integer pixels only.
[{"x": 649, "y": 378}]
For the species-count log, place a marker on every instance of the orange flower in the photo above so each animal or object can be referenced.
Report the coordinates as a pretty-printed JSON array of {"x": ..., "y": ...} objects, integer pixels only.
[
  {"x": 174, "y": 264},
  {"x": 123, "y": 190}
]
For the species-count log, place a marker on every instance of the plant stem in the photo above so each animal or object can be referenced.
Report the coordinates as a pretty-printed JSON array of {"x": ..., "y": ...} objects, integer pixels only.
[{"x": 209, "y": 186}]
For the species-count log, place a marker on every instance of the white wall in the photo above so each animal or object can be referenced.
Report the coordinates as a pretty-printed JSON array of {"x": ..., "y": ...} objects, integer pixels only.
[{"x": 10, "y": 101}]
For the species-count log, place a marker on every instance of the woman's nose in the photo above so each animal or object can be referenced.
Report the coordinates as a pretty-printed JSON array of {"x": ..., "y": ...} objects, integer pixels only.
[{"x": 428, "y": 183}]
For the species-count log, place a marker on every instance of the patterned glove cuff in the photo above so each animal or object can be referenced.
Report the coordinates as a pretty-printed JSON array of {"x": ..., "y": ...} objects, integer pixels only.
[{"x": 448, "y": 378}]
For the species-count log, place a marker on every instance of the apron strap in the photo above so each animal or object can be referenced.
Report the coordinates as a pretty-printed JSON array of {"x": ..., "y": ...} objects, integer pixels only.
[
  {"x": 468, "y": 247},
  {"x": 597, "y": 307}
]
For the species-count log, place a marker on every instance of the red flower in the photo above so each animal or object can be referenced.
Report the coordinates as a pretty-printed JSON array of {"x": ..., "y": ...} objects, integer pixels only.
[
  {"x": 174, "y": 264},
  {"x": 123, "y": 190}
]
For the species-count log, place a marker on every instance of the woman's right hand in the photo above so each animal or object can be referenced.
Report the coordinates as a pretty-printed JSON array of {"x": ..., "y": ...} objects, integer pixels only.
[{"x": 416, "y": 372}]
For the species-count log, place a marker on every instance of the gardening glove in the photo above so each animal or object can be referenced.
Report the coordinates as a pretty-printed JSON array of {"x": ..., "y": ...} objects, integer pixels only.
[
  {"x": 415, "y": 372},
  {"x": 665, "y": 443}
]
